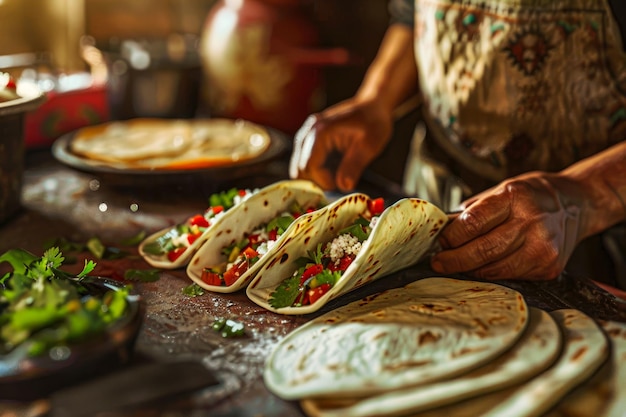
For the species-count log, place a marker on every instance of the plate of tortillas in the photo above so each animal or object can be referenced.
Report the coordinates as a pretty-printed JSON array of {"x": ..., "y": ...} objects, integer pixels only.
[
  {"x": 166, "y": 147},
  {"x": 451, "y": 347}
]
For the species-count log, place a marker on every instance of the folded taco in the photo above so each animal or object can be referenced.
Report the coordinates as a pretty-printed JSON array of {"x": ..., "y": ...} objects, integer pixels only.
[
  {"x": 234, "y": 249},
  {"x": 172, "y": 247},
  {"x": 351, "y": 242}
]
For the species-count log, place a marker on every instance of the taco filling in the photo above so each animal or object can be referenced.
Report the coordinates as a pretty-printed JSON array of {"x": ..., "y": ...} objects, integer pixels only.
[
  {"x": 175, "y": 241},
  {"x": 318, "y": 272},
  {"x": 243, "y": 254}
]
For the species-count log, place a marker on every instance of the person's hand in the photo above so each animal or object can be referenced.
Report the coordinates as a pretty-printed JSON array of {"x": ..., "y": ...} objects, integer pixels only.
[
  {"x": 354, "y": 132},
  {"x": 526, "y": 227}
]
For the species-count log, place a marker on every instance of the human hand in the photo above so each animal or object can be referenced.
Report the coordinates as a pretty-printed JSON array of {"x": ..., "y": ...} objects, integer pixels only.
[
  {"x": 355, "y": 131},
  {"x": 526, "y": 227}
]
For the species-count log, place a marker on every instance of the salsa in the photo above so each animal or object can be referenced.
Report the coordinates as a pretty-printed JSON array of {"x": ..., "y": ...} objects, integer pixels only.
[
  {"x": 179, "y": 238},
  {"x": 242, "y": 255}
]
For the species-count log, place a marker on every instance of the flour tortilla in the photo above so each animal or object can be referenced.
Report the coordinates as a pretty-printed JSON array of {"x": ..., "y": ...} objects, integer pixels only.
[
  {"x": 427, "y": 331},
  {"x": 149, "y": 144},
  {"x": 404, "y": 234},
  {"x": 249, "y": 215},
  {"x": 271, "y": 198},
  {"x": 585, "y": 348},
  {"x": 603, "y": 395},
  {"x": 538, "y": 348}
]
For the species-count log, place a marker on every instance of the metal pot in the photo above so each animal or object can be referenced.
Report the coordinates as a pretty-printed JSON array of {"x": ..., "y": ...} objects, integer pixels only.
[
  {"x": 153, "y": 77},
  {"x": 12, "y": 114}
]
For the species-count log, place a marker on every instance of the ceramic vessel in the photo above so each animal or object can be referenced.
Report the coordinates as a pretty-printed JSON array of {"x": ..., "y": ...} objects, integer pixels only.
[{"x": 261, "y": 62}]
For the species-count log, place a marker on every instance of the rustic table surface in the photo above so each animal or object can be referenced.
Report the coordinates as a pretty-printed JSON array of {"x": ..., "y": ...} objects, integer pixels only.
[{"x": 59, "y": 201}]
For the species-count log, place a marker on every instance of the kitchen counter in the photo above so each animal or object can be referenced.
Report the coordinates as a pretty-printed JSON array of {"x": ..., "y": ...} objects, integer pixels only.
[{"x": 61, "y": 202}]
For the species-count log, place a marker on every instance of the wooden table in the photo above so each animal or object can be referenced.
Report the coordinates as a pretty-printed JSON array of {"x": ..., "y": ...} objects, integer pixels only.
[{"x": 61, "y": 202}]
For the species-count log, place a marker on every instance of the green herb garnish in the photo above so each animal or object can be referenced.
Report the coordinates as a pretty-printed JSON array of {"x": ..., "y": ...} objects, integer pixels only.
[
  {"x": 42, "y": 306},
  {"x": 225, "y": 199},
  {"x": 286, "y": 293},
  {"x": 193, "y": 290},
  {"x": 228, "y": 327}
]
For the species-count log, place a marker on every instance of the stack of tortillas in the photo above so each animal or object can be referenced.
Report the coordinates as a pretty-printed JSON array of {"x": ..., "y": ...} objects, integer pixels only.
[{"x": 448, "y": 347}]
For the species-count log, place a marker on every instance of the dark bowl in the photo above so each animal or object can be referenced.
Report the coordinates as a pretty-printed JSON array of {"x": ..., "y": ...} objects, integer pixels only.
[{"x": 24, "y": 378}]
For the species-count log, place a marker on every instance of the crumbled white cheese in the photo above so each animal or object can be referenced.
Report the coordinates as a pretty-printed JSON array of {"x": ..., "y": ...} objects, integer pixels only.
[
  {"x": 342, "y": 245},
  {"x": 181, "y": 240},
  {"x": 373, "y": 221},
  {"x": 248, "y": 193}
]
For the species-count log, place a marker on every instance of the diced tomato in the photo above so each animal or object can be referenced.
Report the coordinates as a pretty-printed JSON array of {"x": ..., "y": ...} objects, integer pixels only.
[
  {"x": 199, "y": 220},
  {"x": 233, "y": 274},
  {"x": 250, "y": 253},
  {"x": 316, "y": 293},
  {"x": 343, "y": 264},
  {"x": 217, "y": 209},
  {"x": 192, "y": 237},
  {"x": 241, "y": 192},
  {"x": 311, "y": 272},
  {"x": 253, "y": 239},
  {"x": 210, "y": 277},
  {"x": 376, "y": 206},
  {"x": 173, "y": 255},
  {"x": 302, "y": 299},
  {"x": 273, "y": 234},
  {"x": 11, "y": 84}
]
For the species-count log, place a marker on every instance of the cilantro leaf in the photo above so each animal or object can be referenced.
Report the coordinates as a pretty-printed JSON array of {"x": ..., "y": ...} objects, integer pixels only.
[
  {"x": 281, "y": 223},
  {"x": 19, "y": 259},
  {"x": 286, "y": 293},
  {"x": 328, "y": 277},
  {"x": 357, "y": 230},
  {"x": 87, "y": 269}
]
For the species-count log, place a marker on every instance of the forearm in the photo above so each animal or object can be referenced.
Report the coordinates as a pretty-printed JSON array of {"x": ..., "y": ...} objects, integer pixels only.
[
  {"x": 392, "y": 76},
  {"x": 602, "y": 179}
]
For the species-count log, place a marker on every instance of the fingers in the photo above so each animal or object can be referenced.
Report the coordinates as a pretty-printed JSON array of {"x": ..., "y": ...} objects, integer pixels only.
[
  {"x": 481, "y": 251},
  {"x": 309, "y": 155},
  {"x": 478, "y": 219},
  {"x": 524, "y": 262},
  {"x": 351, "y": 168}
]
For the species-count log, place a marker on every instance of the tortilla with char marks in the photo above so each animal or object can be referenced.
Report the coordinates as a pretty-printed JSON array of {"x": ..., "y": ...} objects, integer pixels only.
[
  {"x": 427, "y": 331},
  {"x": 538, "y": 348}
]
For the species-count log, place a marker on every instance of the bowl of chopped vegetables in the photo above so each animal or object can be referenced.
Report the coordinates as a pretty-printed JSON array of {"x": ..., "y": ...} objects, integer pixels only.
[{"x": 56, "y": 328}]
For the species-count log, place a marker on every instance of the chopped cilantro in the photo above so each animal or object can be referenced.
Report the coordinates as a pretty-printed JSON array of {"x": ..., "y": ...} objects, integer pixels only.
[
  {"x": 228, "y": 327},
  {"x": 43, "y": 306},
  {"x": 193, "y": 290}
]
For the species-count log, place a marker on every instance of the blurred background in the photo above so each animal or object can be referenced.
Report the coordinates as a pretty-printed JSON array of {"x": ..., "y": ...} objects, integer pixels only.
[{"x": 270, "y": 61}]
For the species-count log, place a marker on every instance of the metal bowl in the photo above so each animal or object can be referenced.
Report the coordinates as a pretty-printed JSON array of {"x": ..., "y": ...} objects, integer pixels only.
[{"x": 12, "y": 115}]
